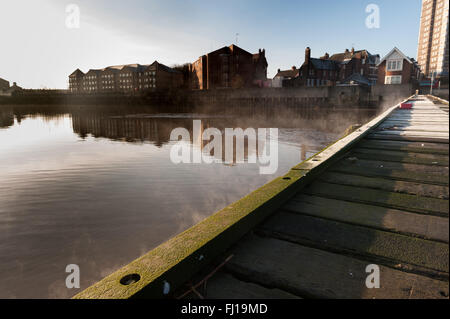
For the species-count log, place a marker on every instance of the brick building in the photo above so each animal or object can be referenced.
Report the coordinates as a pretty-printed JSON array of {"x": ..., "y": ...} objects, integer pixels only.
[
  {"x": 433, "y": 48},
  {"x": 76, "y": 81},
  {"x": 396, "y": 68},
  {"x": 126, "y": 78},
  {"x": 284, "y": 78},
  {"x": 318, "y": 72},
  {"x": 228, "y": 67},
  {"x": 4, "y": 85},
  {"x": 359, "y": 62}
]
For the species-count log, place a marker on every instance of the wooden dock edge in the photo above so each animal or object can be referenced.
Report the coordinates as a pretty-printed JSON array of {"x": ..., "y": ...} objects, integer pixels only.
[
  {"x": 165, "y": 268},
  {"x": 438, "y": 99}
]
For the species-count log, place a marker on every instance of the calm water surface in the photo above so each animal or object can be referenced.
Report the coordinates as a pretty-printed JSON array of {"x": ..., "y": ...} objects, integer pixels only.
[{"x": 96, "y": 188}]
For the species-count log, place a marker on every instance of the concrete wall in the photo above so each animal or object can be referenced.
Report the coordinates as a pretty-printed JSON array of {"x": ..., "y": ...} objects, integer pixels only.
[
  {"x": 341, "y": 96},
  {"x": 388, "y": 95}
]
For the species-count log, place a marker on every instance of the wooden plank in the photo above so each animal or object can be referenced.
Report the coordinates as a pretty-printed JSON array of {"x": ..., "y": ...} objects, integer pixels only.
[
  {"x": 406, "y": 127},
  {"x": 407, "y": 172},
  {"x": 408, "y": 138},
  {"x": 416, "y": 147},
  {"x": 426, "y": 190},
  {"x": 421, "y": 134},
  {"x": 401, "y": 156},
  {"x": 427, "y": 227},
  {"x": 411, "y": 203},
  {"x": 417, "y": 122},
  {"x": 225, "y": 286},
  {"x": 314, "y": 273},
  {"x": 381, "y": 246}
]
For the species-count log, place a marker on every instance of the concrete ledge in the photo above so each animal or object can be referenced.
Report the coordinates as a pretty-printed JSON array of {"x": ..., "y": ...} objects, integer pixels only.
[{"x": 164, "y": 269}]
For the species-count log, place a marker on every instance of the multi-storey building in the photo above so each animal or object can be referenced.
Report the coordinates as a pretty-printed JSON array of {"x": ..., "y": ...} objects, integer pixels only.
[
  {"x": 228, "y": 67},
  {"x": 359, "y": 62},
  {"x": 284, "y": 78},
  {"x": 432, "y": 52},
  {"x": 126, "y": 78},
  {"x": 4, "y": 85},
  {"x": 76, "y": 81},
  {"x": 318, "y": 72},
  {"x": 349, "y": 67},
  {"x": 397, "y": 68}
]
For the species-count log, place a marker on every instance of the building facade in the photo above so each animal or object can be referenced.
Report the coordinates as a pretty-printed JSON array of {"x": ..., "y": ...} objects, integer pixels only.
[
  {"x": 396, "y": 68},
  {"x": 360, "y": 63},
  {"x": 125, "y": 78},
  {"x": 318, "y": 72},
  {"x": 4, "y": 85},
  {"x": 228, "y": 67},
  {"x": 432, "y": 52},
  {"x": 284, "y": 78}
]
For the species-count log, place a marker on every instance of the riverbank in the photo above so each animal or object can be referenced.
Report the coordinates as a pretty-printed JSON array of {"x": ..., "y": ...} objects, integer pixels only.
[{"x": 218, "y": 100}]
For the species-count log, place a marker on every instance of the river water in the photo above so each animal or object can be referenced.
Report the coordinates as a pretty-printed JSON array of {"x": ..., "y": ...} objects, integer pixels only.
[{"x": 96, "y": 187}]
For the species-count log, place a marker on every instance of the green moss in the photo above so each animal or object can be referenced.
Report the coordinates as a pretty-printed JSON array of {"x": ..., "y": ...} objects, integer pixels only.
[{"x": 179, "y": 258}]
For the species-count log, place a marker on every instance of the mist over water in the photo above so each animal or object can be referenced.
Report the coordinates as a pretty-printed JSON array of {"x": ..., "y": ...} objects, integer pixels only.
[{"x": 94, "y": 186}]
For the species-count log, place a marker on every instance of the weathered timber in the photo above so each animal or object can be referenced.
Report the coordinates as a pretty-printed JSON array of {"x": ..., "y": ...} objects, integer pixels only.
[
  {"x": 412, "y": 203},
  {"x": 315, "y": 273},
  {"x": 375, "y": 198},
  {"x": 388, "y": 219},
  {"x": 364, "y": 242}
]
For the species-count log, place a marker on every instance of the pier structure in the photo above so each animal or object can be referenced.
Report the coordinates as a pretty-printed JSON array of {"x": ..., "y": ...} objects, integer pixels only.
[{"x": 366, "y": 217}]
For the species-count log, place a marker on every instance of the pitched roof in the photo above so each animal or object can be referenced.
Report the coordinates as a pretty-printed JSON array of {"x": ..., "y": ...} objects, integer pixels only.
[
  {"x": 76, "y": 72},
  {"x": 288, "y": 73},
  {"x": 321, "y": 64},
  {"x": 163, "y": 67},
  {"x": 348, "y": 55},
  {"x": 395, "y": 49},
  {"x": 230, "y": 49}
]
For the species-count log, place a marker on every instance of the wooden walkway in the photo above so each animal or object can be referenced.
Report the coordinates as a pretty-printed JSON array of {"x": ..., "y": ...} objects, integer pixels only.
[{"x": 384, "y": 203}]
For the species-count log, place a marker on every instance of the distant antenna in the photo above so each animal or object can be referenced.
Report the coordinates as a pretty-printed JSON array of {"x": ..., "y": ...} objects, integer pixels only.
[{"x": 237, "y": 38}]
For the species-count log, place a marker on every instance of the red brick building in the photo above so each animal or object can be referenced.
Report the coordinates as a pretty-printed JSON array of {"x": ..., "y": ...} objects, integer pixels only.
[
  {"x": 318, "y": 72},
  {"x": 4, "y": 85},
  {"x": 359, "y": 62},
  {"x": 228, "y": 67},
  {"x": 126, "y": 78},
  {"x": 397, "y": 68}
]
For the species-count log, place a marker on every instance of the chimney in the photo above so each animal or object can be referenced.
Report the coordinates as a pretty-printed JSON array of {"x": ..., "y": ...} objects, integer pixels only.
[
  {"x": 264, "y": 52},
  {"x": 353, "y": 50},
  {"x": 294, "y": 68},
  {"x": 347, "y": 51},
  {"x": 326, "y": 56},
  {"x": 279, "y": 70},
  {"x": 259, "y": 51},
  {"x": 307, "y": 55}
]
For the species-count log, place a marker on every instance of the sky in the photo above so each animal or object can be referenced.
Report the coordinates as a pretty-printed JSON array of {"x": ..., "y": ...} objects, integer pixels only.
[{"x": 39, "y": 50}]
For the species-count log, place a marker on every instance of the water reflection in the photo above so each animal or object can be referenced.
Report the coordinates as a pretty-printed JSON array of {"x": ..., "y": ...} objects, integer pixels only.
[{"x": 94, "y": 186}]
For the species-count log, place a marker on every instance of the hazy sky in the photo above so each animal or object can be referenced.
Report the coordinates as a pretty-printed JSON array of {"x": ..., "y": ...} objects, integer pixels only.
[{"x": 38, "y": 50}]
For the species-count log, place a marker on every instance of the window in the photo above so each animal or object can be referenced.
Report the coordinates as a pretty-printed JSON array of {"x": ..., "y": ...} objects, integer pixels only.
[
  {"x": 395, "y": 65},
  {"x": 396, "y": 79}
]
